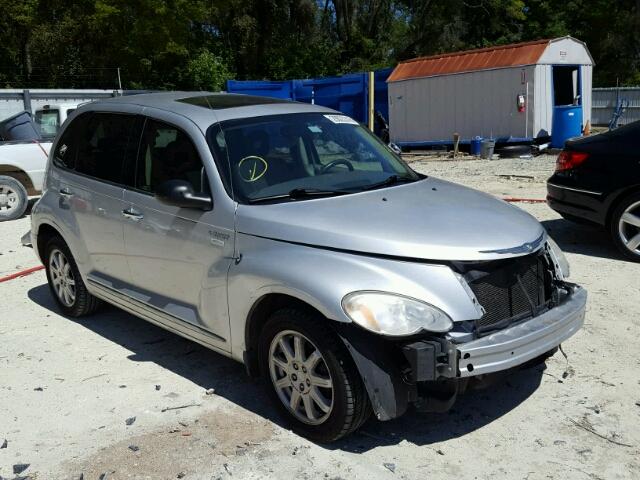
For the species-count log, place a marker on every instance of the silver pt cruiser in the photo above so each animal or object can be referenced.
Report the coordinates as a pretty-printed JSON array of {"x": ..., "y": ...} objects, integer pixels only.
[{"x": 289, "y": 238}]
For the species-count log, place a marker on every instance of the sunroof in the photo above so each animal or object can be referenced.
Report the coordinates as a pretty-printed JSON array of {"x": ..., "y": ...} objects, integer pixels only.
[{"x": 218, "y": 102}]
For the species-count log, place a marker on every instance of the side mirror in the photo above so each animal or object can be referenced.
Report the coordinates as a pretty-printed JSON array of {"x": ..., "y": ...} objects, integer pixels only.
[
  {"x": 179, "y": 193},
  {"x": 394, "y": 148}
]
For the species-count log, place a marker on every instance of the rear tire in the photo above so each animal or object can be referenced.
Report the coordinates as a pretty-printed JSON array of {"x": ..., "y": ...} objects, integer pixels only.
[
  {"x": 65, "y": 282},
  {"x": 13, "y": 198},
  {"x": 344, "y": 406},
  {"x": 514, "y": 151},
  {"x": 625, "y": 227}
]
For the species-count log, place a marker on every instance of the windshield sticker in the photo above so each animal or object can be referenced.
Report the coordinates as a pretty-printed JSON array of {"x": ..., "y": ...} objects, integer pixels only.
[
  {"x": 341, "y": 119},
  {"x": 314, "y": 129}
]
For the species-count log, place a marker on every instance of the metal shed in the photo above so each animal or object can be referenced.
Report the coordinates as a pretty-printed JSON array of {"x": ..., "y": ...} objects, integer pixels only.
[{"x": 509, "y": 93}]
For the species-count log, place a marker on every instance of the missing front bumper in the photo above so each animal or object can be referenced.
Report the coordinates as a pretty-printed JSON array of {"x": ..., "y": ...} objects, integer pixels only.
[
  {"x": 516, "y": 345},
  {"x": 438, "y": 359},
  {"x": 432, "y": 372}
]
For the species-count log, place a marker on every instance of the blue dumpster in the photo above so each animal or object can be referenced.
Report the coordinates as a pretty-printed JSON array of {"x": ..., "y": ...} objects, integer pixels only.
[
  {"x": 283, "y": 89},
  {"x": 567, "y": 123},
  {"x": 347, "y": 93}
]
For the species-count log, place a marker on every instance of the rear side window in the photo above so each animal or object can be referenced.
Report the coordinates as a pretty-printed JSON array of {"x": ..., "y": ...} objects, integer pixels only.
[
  {"x": 67, "y": 147},
  {"x": 167, "y": 153},
  {"x": 102, "y": 145}
]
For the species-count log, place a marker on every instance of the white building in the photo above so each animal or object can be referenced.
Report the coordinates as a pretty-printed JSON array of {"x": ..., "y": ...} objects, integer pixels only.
[{"x": 507, "y": 92}]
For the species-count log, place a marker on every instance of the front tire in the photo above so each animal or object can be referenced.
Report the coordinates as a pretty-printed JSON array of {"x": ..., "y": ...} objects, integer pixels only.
[
  {"x": 13, "y": 198},
  {"x": 625, "y": 227},
  {"x": 311, "y": 377},
  {"x": 66, "y": 284}
]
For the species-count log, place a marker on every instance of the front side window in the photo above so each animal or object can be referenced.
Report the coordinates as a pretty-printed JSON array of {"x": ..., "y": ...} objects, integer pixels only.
[
  {"x": 167, "y": 153},
  {"x": 103, "y": 145},
  {"x": 312, "y": 152}
]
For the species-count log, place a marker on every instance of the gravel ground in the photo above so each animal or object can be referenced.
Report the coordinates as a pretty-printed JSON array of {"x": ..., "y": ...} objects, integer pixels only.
[{"x": 68, "y": 387}]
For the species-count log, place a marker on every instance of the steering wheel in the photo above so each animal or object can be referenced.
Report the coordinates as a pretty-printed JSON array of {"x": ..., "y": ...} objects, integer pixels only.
[{"x": 340, "y": 161}]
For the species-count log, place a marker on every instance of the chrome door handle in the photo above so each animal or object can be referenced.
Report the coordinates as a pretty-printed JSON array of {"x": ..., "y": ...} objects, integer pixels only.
[
  {"x": 65, "y": 192},
  {"x": 132, "y": 214}
]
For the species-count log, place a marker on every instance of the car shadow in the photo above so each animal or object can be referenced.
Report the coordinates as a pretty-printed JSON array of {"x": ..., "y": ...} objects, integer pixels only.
[
  {"x": 590, "y": 240},
  {"x": 472, "y": 411},
  {"x": 209, "y": 369}
]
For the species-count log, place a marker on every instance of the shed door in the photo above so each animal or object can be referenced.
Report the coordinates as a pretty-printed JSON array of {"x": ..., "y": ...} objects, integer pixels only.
[
  {"x": 567, "y": 104},
  {"x": 566, "y": 85}
]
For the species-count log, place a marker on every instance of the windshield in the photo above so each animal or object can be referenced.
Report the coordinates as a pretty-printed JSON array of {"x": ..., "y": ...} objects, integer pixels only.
[{"x": 273, "y": 156}]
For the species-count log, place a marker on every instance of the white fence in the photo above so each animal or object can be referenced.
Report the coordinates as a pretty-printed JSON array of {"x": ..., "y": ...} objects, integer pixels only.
[
  {"x": 15, "y": 101},
  {"x": 606, "y": 99}
]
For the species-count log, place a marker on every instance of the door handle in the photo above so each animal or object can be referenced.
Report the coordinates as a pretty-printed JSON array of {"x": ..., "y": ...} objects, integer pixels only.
[
  {"x": 132, "y": 214},
  {"x": 65, "y": 192}
]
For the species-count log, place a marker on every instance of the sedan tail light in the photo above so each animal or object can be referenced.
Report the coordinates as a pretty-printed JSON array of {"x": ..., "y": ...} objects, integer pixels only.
[{"x": 569, "y": 159}]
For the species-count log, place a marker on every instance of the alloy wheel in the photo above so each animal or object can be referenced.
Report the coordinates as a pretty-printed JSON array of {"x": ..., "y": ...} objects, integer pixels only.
[
  {"x": 9, "y": 199},
  {"x": 62, "y": 277},
  {"x": 301, "y": 377},
  {"x": 629, "y": 228}
]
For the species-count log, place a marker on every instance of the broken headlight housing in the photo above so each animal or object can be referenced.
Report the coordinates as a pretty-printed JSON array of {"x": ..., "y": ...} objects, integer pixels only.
[{"x": 559, "y": 260}]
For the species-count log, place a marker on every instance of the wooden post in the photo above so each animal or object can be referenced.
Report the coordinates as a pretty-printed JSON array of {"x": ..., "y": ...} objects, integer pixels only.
[
  {"x": 371, "y": 106},
  {"x": 456, "y": 143}
]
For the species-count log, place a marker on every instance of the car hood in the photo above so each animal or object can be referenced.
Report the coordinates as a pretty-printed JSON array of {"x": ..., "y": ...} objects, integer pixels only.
[{"x": 429, "y": 219}]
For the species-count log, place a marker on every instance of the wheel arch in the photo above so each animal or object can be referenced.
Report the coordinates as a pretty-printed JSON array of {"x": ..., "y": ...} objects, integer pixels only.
[
  {"x": 18, "y": 174},
  {"x": 618, "y": 199},
  {"x": 46, "y": 232},
  {"x": 258, "y": 315}
]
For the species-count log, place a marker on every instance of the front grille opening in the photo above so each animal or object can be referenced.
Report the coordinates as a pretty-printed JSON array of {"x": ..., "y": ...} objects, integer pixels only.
[{"x": 511, "y": 290}]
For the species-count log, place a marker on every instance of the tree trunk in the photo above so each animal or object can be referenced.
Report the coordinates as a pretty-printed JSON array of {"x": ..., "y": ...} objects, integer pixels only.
[{"x": 26, "y": 57}]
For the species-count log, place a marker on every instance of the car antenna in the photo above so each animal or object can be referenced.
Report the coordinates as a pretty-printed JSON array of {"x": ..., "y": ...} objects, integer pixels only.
[{"x": 206, "y": 97}]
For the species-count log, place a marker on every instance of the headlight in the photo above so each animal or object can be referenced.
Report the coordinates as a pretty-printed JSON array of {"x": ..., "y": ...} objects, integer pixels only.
[
  {"x": 559, "y": 259},
  {"x": 391, "y": 314}
]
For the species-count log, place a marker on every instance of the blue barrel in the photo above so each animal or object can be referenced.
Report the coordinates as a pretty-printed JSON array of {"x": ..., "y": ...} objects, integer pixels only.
[
  {"x": 475, "y": 146},
  {"x": 567, "y": 123}
]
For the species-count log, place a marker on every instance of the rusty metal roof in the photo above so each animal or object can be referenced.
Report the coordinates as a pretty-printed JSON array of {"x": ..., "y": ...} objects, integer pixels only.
[{"x": 470, "y": 60}]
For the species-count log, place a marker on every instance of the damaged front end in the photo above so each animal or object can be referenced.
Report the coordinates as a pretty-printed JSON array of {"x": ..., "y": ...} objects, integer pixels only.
[{"x": 527, "y": 310}]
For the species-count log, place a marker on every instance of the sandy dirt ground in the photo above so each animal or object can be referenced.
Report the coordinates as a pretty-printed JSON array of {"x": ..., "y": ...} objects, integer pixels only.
[{"x": 114, "y": 397}]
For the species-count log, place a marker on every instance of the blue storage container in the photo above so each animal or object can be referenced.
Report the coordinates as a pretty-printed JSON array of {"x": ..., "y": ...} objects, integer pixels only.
[
  {"x": 567, "y": 123},
  {"x": 474, "y": 148}
]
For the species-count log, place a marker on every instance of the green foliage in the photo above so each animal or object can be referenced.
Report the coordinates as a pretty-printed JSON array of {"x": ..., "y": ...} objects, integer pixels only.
[
  {"x": 207, "y": 72},
  {"x": 198, "y": 44}
]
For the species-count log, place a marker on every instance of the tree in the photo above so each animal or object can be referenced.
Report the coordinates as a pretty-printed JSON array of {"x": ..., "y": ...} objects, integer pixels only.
[
  {"x": 196, "y": 44},
  {"x": 207, "y": 72}
]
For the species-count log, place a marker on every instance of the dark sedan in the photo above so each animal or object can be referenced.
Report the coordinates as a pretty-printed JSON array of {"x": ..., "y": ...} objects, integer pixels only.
[{"x": 597, "y": 180}]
